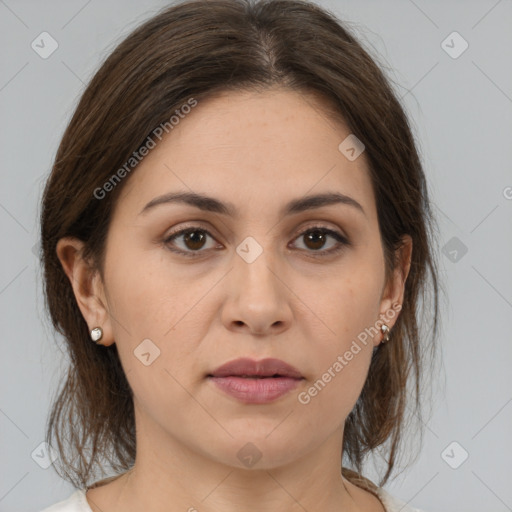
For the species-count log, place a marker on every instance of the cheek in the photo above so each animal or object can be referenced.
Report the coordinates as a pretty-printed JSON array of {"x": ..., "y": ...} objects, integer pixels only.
[
  {"x": 341, "y": 366},
  {"x": 147, "y": 295},
  {"x": 155, "y": 310},
  {"x": 349, "y": 310},
  {"x": 335, "y": 390},
  {"x": 350, "y": 307}
]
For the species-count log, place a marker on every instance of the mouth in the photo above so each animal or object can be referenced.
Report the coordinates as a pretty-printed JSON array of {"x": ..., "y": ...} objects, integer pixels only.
[
  {"x": 251, "y": 369},
  {"x": 256, "y": 382}
]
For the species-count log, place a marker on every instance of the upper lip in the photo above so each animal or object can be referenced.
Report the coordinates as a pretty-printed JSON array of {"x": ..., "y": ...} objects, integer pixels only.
[{"x": 263, "y": 368}]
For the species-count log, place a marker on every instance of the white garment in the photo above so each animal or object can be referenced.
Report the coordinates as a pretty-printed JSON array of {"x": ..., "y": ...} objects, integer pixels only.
[{"x": 78, "y": 503}]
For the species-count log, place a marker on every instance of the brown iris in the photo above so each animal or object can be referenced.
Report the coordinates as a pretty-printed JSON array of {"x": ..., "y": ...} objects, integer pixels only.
[
  {"x": 194, "y": 239},
  {"x": 316, "y": 237}
]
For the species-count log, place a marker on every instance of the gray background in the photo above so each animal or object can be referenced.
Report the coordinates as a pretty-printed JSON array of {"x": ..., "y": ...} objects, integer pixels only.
[{"x": 461, "y": 109}]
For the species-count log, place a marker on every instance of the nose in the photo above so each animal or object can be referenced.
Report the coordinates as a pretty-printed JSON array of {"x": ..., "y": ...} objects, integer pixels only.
[{"x": 257, "y": 296}]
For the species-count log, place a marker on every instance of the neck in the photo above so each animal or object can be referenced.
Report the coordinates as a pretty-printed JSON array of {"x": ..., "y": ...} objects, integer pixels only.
[{"x": 176, "y": 478}]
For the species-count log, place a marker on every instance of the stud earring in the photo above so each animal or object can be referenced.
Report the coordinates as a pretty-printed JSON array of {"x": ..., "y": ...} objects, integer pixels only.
[
  {"x": 97, "y": 334},
  {"x": 385, "y": 331}
]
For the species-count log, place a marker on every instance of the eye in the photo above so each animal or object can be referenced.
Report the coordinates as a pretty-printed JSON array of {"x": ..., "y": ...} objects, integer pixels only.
[
  {"x": 316, "y": 237},
  {"x": 194, "y": 238}
]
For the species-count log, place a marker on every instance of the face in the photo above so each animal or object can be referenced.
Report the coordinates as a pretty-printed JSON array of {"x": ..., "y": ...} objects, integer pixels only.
[{"x": 269, "y": 275}]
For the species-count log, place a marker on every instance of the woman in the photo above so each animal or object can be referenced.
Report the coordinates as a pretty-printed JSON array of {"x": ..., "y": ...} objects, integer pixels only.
[{"x": 236, "y": 236}]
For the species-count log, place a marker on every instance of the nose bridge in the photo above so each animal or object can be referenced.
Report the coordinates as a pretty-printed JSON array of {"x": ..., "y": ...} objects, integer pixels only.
[
  {"x": 257, "y": 278},
  {"x": 257, "y": 296},
  {"x": 254, "y": 265}
]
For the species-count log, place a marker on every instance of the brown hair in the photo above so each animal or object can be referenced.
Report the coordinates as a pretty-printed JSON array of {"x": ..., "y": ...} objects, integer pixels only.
[{"x": 193, "y": 50}]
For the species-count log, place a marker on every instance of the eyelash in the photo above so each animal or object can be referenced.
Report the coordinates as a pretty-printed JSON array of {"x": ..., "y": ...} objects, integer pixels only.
[{"x": 342, "y": 241}]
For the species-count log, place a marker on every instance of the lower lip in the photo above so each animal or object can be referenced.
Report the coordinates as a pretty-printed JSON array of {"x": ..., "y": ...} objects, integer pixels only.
[{"x": 256, "y": 391}]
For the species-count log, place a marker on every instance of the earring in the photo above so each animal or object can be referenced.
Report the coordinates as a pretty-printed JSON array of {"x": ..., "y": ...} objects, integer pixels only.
[
  {"x": 97, "y": 334},
  {"x": 385, "y": 331}
]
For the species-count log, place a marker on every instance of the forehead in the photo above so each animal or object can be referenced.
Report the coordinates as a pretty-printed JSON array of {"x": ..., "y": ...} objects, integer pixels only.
[{"x": 270, "y": 146}]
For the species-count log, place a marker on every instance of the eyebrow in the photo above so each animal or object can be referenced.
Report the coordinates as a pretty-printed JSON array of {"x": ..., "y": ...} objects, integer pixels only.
[{"x": 210, "y": 204}]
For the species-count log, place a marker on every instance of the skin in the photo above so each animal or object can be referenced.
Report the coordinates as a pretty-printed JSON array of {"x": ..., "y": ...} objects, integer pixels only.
[{"x": 257, "y": 151}]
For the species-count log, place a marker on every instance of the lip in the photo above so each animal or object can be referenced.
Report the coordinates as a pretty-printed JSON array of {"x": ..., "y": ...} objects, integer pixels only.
[
  {"x": 257, "y": 382},
  {"x": 252, "y": 368}
]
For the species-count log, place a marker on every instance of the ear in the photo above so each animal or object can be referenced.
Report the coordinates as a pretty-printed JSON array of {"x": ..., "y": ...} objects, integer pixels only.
[
  {"x": 87, "y": 286},
  {"x": 393, "y": 294}
]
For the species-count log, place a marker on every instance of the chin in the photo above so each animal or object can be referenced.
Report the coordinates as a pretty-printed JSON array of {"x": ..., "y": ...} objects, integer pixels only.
[{"x": 255, "y": 449}]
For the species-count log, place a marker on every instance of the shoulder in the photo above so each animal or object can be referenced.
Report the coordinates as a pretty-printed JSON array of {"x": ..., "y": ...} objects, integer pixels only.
[
  {"x": 76, "y": 502},
  {"x": 392, "y": 504}
]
